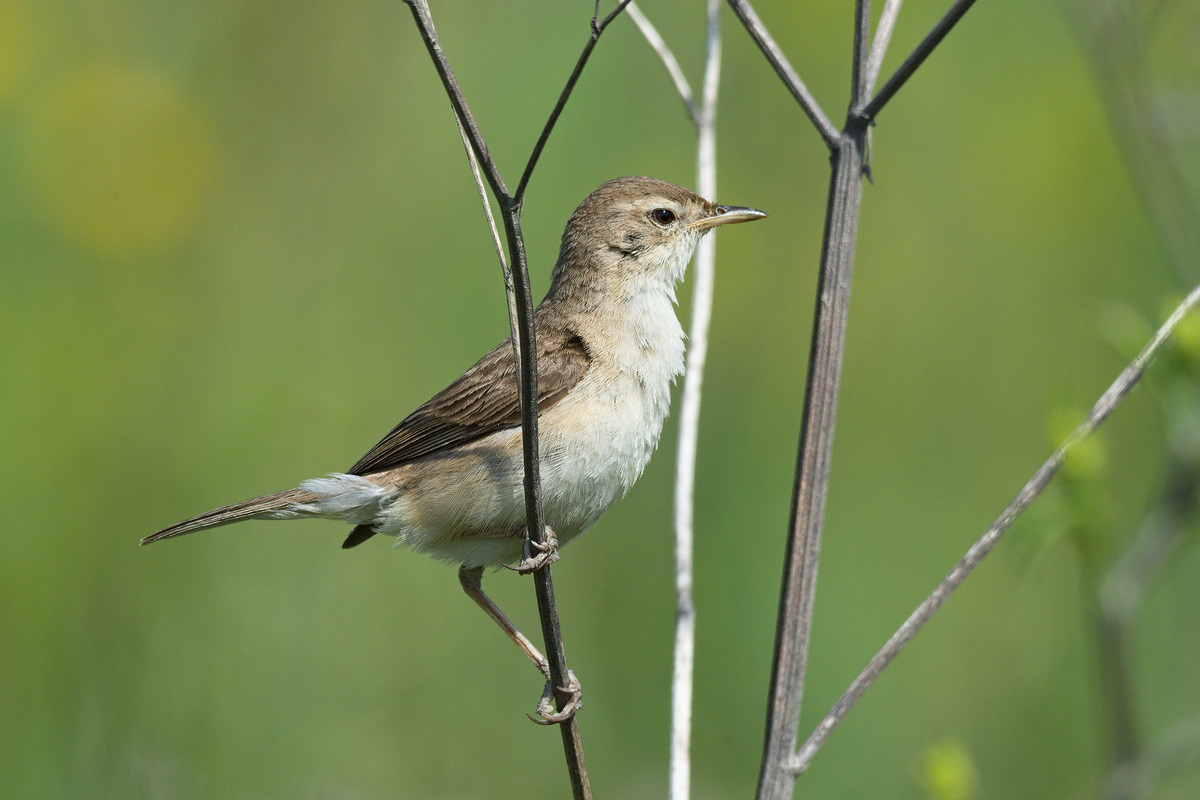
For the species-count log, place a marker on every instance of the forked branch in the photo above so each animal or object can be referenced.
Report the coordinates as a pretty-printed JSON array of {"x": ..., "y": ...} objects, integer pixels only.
[
  {"x": 915, "y": 60},
  {"x": 786, "y": 72},
  {"x": 1117, "y": 392},
  {"x": 598, "y": 26},
  {"x": 521, "y": 306},
  {"x": 849, "y": 148}
]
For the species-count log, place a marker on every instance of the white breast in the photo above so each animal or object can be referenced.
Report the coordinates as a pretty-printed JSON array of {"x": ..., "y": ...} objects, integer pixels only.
[
  {"x": 468, "y": 505},
  {"x": 596, "y": 442}
]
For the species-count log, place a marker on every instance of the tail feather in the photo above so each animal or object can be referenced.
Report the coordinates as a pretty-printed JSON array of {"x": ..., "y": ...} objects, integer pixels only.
[{"x": 267, "y": 505}]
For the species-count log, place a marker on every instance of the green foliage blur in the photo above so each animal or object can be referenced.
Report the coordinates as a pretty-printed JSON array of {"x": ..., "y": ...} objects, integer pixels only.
[{"x": 238, "y": 242}]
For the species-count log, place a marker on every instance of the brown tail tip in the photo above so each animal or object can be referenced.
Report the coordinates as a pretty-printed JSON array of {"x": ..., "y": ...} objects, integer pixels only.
[{"x": 247, "y": 509}]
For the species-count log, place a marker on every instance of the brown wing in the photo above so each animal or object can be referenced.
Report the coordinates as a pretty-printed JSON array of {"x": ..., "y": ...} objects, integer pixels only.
[{"x": 482, "y": 401}]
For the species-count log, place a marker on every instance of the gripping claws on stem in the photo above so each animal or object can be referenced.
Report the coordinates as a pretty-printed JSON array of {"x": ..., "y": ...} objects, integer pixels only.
[
  {"x": 546, "y": 712},
  {"x": 547, "y": 553}
]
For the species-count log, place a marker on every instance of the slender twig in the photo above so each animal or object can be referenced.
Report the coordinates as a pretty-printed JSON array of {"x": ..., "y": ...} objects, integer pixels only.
[
  {"x": 655, "y": 40},
  {"x": 880, "y": 41},
  {"x": 685, "y": 464},
  {"x": 793, "y": 627},
  {"x": 812, "y": 471},
  {"x": 918, "y": 56},
  {"x": 1116, "y": 36},
  {"x": 596, "y": 29},
  {"x": 544, "y": 585},
  {"x": 525, "y": 350},
  {"x": 786, "y": 72},
  {"x": 421, "y": 15},
  {"x": 1117, "y": 392},
  {"x": 510, "y": 291},
  {"x": 858, "y": 56},
  {"x": 794, "y": 621}
]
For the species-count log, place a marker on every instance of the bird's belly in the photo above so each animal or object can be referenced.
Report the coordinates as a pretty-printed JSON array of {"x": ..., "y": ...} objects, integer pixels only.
[
  {"x": 596, "y": 448},
  {"x": 465, "y": 506},
  {"x": 469, "y": 506}
]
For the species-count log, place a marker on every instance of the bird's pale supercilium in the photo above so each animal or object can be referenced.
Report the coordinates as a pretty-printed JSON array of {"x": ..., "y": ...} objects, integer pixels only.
[{"x": 448, "y": 480}]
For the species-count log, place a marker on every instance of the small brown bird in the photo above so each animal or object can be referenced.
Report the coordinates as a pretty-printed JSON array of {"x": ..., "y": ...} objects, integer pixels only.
[{"x": 448, "y": 480}]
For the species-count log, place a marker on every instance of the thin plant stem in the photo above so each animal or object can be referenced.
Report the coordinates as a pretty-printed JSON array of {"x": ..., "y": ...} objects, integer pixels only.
[
  {"x": 879, "y": 43},
  {"x": 667, "y": 57},
  {"x": 597, "y": 28},
  {"x": 1111, "y": 398},
  {"x": 685, "y": 464},
  {"x": 509, "y": 291},
  {"x": 849, "y": 148},
  {"x": 794, "y": 622},
  {"x": 918, "y": 56},
  {"x": 525, "y": 350},
  {"x": 560, "y": 676},
  {"x": 424, "y": 21},
  {"x": 858, "y": 60},
  {"x": 783, "y": 68}
]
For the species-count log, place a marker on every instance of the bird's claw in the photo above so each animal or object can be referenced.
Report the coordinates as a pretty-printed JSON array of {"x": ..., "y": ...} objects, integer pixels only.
[
  {"x": 547, "y": 714},
  {"x": 547, "y": 553}
]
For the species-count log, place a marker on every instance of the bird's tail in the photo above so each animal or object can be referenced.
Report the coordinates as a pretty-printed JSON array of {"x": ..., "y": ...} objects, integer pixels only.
[
  {"x": 281, "y": 505},
  {"x": 352, "y": 498}
]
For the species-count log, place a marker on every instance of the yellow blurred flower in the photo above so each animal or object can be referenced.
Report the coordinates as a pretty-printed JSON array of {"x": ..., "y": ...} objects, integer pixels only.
[
  {"x": 948, "y": 772},
  {"x": 120, "y": 159}
]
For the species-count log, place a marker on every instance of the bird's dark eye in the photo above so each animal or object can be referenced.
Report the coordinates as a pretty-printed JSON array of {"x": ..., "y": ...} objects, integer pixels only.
[{"x": 663, "y": 216}]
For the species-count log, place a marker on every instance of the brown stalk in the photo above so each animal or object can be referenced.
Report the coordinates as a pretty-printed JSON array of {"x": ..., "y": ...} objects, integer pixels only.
[
  {"x": 849, "y": 164},
  {"x": 525, "y": 347}
]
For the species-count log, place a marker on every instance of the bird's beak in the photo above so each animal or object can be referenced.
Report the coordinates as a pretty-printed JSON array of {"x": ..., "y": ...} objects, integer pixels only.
[{"x": 727, "y": 215}]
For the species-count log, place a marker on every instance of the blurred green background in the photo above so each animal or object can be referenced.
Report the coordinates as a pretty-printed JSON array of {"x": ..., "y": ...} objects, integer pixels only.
[{"x": 238, "y": 242}]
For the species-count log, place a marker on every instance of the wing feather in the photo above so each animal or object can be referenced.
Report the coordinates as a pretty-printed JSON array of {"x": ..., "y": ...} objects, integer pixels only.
[{"x": 483, "y": 400}]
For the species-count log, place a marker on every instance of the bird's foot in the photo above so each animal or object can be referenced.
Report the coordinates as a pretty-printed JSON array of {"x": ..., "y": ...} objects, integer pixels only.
[
  {"x": 547, "y": 714},
  {"x": 537, "y": 554}
]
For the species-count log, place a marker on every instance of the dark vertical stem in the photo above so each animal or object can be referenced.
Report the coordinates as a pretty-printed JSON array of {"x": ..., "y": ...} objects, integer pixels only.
[
  {"x": 543, "y": 582},
  {"x": 776, "y": 779},
  {"x": 780, "y": 764},
  {"x": 794, "y": 624},
  {"x": 526, "y": 348}
]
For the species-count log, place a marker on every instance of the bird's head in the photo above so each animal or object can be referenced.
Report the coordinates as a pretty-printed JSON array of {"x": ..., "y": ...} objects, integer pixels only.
[{"x": 635, "y": 232}]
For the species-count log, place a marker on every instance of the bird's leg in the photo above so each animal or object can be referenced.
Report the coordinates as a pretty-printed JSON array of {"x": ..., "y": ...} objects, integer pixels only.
[
  {"x": 472, "y": 583},
  {"x": 547, "y": 553}
]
